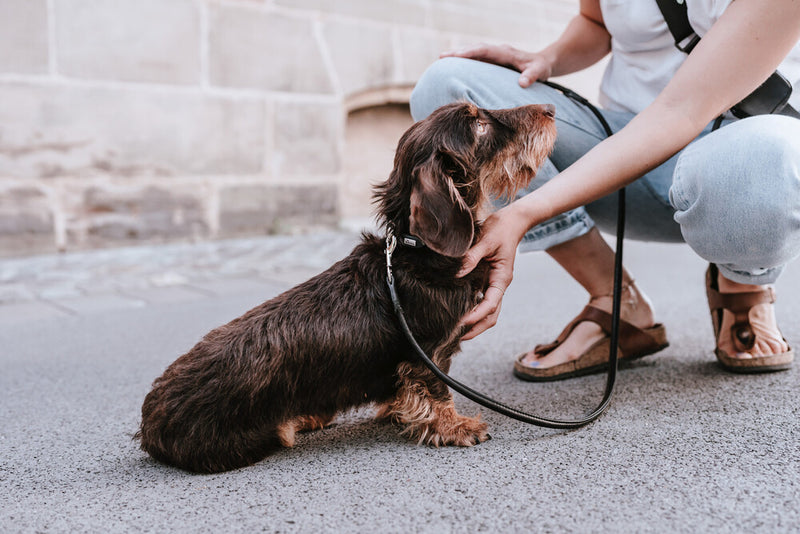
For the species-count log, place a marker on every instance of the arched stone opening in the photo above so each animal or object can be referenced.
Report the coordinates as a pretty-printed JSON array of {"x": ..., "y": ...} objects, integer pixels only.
[{"x": 374, "y": 125}]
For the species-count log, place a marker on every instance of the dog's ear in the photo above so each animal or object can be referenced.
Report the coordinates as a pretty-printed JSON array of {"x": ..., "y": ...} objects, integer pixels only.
[{"x": 439, "y": 216}]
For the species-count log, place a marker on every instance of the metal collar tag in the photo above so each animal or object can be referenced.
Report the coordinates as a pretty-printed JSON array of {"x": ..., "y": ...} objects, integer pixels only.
[{"x": 411, "y": 241}]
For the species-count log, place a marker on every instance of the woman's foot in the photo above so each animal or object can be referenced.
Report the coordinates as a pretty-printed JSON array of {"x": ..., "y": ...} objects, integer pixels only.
[
  {"x": 768, "y": 339},
  {"x": 590, "y": 261},
  {"x": 635, "y": 309},
  {"x": 748, "y": 339}
]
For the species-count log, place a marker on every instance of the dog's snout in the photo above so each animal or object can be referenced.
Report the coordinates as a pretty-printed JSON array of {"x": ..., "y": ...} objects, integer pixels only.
[{"x": 549, "y": 110}]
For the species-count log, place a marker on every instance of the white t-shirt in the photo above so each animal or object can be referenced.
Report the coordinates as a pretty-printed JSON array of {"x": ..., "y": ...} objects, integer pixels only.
[{"x": 644, "y": 57}]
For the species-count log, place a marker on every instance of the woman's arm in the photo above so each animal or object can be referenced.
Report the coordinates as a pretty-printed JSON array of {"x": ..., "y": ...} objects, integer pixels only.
[
  {"x": 583, "y": 43},
  {"x": 739, "y": 52}
]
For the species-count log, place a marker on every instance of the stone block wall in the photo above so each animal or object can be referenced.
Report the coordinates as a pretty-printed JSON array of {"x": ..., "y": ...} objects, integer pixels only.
[{"x": 128, "y": 121}]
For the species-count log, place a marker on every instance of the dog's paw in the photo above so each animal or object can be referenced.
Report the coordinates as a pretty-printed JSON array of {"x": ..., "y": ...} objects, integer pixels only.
[{"x": 458, "y": 431}]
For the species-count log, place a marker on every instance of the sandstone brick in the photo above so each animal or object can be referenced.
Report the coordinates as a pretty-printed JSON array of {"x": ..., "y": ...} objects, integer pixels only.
[
  {"x": 23, "y": 36},
  {"x": 418, "y": 49},
  {"x": 57, "y": 131},
  {"x": 508, "y": 6},
  {"x": 118, "y": 214},
  {"x": 362, "y": 55},
  {"x": 249, "y": 209},
  {"x": 144, "y": 41},
  {"x": 26, "y": 221},
  {"x": 522, "y": 24},
  {"x": 306, "y": 138},
  {"x": 394, "y": 11},
  {"x": 250, "y": 48},
  {"x": 25, "y": 210}
]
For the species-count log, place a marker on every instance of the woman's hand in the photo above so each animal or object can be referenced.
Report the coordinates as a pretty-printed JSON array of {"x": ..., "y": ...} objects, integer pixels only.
[
  {"x": 533, "y": 66},
  {"x": 497, "y": 245},
  {"x": 584, "y": 42}
]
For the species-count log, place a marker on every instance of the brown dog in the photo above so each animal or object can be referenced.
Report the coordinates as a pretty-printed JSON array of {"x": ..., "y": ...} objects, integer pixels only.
[{"x": 333, "y": 342}]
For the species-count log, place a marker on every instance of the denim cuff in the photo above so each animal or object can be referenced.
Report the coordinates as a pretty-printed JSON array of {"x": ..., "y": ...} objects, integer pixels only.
[
  {"x": 753, "y": 276},
  {"x": 557, "y": 230}
]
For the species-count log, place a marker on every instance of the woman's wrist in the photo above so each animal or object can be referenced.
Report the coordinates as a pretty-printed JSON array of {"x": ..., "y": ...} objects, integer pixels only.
[
  {"x": 549, "y": 57},
  {"x": 520, "y": 216}
]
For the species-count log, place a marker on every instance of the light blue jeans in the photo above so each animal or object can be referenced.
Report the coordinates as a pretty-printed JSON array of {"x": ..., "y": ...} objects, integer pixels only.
[{"x": 733, "y": 195}]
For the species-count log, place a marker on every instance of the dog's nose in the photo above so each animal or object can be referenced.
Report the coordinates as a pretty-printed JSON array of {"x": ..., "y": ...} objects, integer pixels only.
[{"x": 549, "y": 110}]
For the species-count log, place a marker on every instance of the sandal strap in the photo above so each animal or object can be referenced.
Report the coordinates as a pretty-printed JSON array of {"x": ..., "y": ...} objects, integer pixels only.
[
  {"x": 739, "y": 302},
  {"x": 734, "y": 302},
  {"x": 632, "y": 339}
]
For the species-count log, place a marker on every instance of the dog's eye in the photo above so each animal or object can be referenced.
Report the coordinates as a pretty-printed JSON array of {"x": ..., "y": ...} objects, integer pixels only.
[{"x": 482, "y": 127}]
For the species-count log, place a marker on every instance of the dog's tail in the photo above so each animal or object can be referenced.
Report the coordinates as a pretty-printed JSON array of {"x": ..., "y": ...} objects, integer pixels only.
[
  {"x": 200, "y": 446},
  {"x": 184, "y": 427}
]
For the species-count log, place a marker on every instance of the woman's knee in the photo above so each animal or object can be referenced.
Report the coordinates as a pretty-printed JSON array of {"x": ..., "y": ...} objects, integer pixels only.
[
  {"x": 755, "y": 161},
  {"x": 487, "y": 85},
  {"x": 737, "y": 191},
  {"x": 443, "y": 82}
]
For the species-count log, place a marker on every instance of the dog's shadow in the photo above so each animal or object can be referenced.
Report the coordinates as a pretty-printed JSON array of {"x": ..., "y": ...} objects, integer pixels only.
[{"x": 351, "y": 432}]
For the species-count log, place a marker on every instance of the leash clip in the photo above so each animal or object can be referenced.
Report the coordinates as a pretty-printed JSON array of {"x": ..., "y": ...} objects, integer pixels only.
[{"x": 391, "y": 244}]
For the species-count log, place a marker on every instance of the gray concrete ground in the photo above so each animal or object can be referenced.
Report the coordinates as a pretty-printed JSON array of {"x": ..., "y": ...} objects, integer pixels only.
[{"x": 684, "y": 447}]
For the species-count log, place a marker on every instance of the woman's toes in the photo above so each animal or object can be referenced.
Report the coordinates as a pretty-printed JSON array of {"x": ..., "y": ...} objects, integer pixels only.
[
  {"x": 772, "y": 346},
  {"x": 768, "y": 340},
  {"x": 582, "y": 337}
]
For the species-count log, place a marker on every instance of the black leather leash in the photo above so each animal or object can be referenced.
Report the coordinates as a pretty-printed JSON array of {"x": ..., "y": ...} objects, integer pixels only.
[{"x": 488, "y": 402}]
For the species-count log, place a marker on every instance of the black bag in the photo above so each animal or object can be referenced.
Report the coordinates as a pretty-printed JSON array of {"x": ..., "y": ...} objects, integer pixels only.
[{"x": 772, "y": 96}]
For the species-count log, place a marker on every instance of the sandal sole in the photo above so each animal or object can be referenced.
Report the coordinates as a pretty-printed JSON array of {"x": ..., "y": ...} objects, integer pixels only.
[
  {"x": 750, "y": 366},
  {"x": 599, "y": 351}
]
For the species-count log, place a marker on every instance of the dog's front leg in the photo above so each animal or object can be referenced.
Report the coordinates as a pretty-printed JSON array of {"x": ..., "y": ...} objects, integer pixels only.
[{"x": 425, "y": 406}]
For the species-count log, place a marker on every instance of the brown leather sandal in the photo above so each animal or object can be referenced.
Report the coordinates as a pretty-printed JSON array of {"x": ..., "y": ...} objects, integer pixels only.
[
  {"x": 742, "y": 332},
  {"x": 633, "y": 343}
]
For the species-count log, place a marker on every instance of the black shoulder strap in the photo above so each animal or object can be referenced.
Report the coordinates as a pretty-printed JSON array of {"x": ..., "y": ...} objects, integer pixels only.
[
  {"x": 789, "y": 111},
  {"x": 677, "y": 17}
]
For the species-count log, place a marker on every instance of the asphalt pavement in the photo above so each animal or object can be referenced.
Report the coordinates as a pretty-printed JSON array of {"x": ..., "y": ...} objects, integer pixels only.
[{"x": 684, "y": 446}]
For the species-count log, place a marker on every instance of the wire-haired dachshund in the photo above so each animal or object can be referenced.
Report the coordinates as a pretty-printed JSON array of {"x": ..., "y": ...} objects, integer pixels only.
[{"x": 333, "y": 343}]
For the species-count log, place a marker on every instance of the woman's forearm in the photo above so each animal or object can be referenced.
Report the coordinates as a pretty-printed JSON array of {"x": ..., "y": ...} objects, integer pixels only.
[
  {"x": 648, "y": 140},
  {"x": 584, "y": 42}
]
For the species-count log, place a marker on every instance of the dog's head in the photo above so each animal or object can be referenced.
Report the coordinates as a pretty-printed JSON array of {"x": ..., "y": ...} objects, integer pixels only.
[{"x": 449, "y": 164}]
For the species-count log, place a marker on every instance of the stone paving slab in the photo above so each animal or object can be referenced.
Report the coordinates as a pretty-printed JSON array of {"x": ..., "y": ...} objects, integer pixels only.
[
  {"x": 13, "y": 312},
  {"x": 125, "y": 276},
  {"x": 91, "y": 304},
  {"x": 168, "y": 295}
]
